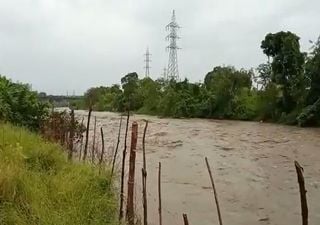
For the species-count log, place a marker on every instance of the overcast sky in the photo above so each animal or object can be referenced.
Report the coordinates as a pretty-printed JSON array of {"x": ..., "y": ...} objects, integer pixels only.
[{"x": 65, "y": 45}]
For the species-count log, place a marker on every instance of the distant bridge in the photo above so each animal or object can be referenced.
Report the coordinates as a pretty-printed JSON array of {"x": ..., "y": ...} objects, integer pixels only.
[{"x": 59, "y": 100}]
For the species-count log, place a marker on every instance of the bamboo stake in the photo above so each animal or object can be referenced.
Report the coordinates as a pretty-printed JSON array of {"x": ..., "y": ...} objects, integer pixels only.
[
  {"x": 214, "y": 191},
  {"x": 122, "y": 169},
  {"x": 159, "y": 193},
  {"x": 94, "y": 139},
  {"x": 87, "y": 136},
  {"x": 144, "y": 177},
  {"x": 132, "y": 162},
  {"x": 303, "y": 197},
  {"x": 102, "y": 147},
  {"x": 71, "y": 136},
  {"x": 117, "y": 147},
  {"x": 185, "y": 219}
]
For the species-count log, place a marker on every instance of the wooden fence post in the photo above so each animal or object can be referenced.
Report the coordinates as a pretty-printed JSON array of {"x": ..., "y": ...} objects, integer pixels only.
[
  {"x": 185, "y": 219},
  {"x": 303, "y": 197},
  {"x": 94, "y": 140},
  {"x": 159, "y": 193},
  {"x": 102, "y": 147},
  {"x": 117, "y": 147},
  {"x": 214, "y": 191},
  {"x": 71, "y": 135},
  {"x": 87, "y": 136},
  {"x": 122, "y": 169},
  {"x": 144, "y": 177},
  {"x": 132, "y": 162}
]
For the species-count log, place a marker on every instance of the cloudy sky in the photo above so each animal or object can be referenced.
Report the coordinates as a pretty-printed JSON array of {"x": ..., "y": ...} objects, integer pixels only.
[{"x": 66, "y": 45}]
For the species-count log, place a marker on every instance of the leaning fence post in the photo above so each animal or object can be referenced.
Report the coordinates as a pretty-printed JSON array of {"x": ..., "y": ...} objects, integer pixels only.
[
  {"x": 185, "y": 219},
  {"x": 303, "y": 197},
  {"x": 214, "y": 191}
]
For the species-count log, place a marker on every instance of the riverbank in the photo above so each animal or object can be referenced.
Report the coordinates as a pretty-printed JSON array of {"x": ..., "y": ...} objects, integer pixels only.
[{"x": 39, "y": 186}]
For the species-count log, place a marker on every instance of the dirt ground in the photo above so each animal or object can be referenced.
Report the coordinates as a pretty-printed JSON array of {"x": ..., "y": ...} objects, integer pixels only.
[{"x": 252, "y": 163}]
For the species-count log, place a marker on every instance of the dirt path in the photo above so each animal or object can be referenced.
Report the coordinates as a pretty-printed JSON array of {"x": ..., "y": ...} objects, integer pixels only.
[{"x": 252, "y": 165}]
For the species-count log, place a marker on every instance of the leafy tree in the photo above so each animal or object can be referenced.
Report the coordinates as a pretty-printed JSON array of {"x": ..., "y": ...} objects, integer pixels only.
[
  {"x": 287, "y": 67},
  {"x": 264, "y": 74},
  {"x": 130, "y": 85},
  {"x": 313, "y": 73}
]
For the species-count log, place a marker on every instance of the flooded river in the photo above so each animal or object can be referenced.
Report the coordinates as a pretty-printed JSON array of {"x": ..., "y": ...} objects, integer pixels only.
[{"x": 252, "y": 166}]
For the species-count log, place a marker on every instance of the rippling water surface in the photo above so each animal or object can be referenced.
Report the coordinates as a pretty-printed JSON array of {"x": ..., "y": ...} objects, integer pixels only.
[{"x": 252, "y": 166}]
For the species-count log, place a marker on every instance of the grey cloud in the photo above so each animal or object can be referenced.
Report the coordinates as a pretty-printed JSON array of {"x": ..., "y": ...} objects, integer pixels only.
[{"x": 61, "y": 46}]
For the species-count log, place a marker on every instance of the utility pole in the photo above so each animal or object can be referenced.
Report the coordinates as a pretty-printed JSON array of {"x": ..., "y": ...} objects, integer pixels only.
[
  {"x": 147, "y": 61},
  {"x": 173, "y": 27}
]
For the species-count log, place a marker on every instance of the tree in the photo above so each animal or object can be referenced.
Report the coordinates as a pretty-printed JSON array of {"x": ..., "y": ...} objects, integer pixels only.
[
  {"x": 224, "y": 83},
  {"x": 130, "y": 87},
  {"x": 313, "y": 73},
  {"x": 287, "y": 67},
  {"x": 264, "y": 74}
]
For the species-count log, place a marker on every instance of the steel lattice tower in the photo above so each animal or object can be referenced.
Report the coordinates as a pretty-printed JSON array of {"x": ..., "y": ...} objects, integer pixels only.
[
  {"x": 173, "y": 27},
  {"x": 147, "y": 61}
]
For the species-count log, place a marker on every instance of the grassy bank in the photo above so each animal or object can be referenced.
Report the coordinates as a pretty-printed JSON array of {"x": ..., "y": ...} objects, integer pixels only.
[{"x": 39, "y": 186}]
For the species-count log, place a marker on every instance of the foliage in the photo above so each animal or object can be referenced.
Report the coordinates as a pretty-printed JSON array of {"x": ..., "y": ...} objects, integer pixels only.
[
  {"x": 313, "y": 73},
  {"x": 39, "y": 186},
  {"x": 310, "y": 115},
  {"x": 20, "y": 105}
]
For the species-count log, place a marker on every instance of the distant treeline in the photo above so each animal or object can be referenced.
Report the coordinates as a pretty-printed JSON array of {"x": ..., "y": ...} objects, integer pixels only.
[{"x": 285, "y": 89}]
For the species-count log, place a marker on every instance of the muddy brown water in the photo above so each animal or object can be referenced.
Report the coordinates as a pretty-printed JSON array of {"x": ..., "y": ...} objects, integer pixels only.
[{"x": 252, "y": 165}]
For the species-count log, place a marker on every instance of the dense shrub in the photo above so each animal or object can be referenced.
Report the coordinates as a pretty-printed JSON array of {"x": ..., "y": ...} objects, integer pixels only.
[{"x": 20, "y": 105}]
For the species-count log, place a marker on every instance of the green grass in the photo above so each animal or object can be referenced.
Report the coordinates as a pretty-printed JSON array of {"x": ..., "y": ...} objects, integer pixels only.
[{"x": 38, "y": 186}]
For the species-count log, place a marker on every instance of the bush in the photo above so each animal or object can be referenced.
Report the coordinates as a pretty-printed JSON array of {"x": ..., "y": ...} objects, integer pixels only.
[
  {"x": 38, "y": 186},
  {"x": 19, "y": 105}
]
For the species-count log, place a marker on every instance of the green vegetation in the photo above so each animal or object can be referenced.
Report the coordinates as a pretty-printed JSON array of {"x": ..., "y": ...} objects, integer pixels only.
[
  {"x": 286, "y": 89},
  {"x": 19, "y": 105},
  {"x": 38, "y": 186}
]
